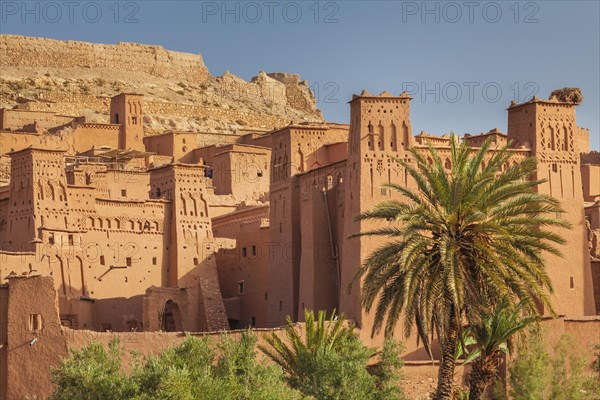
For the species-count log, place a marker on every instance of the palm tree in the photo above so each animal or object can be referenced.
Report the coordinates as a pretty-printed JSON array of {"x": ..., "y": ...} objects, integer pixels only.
[
  {"x": 463, "y": 237},
  {"x": 492, "y": 335},
  {"x": 321, "y": 335},
  {"x": 326, "y": 360}
]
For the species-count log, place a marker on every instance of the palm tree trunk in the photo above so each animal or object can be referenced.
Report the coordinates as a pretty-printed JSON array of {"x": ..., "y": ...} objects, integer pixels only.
[
  {"x": 446, "y": 370},
  {"x": 482, "y": 374}
]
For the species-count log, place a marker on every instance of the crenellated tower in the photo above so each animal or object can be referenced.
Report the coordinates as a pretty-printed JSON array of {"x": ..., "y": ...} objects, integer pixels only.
[
  {"x": 38, "y": 198},
  {"x": 549, "y": 128},
  {"x": 380, "y": 127},
  {"x": 190, "y": 244}
]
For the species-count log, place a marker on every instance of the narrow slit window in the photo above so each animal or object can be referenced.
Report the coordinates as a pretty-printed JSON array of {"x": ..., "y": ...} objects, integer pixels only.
[{"x": 35, "y": 322}]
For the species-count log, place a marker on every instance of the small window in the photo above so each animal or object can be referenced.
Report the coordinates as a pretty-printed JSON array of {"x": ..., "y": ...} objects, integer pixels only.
[
  {"x": 128, "y": 261},
  {"x": 153, "y": 260},
  {"x": 254, "y": 250},
  {"x": 134, "y": 120},
  {"x": 35, "y": 322},
  {"x": 280, "y": 305},
  {"x": 102, "y": 262},
  {"x": 266, "y": 296},
  {"x": 244, "y": 252},
  {"x": 70, "y": 240},
  {"x": 259, "y": 174},
  {"x": 554, "y": 168},
  {"x": 51, "y": 238},
  {"x": 241, "y": 287},
  {"x": 195, "y": 261},
  {"x": 253, "y": 323},
  {"x": 123, "y": 192},
  {"x": 572, "y": 283}
]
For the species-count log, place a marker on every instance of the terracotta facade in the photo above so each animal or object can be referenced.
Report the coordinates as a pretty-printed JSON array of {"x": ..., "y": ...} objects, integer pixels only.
[{"x": 198, "y": 232}]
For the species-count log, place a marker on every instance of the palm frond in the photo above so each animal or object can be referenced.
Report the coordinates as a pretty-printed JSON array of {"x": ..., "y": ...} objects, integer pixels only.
[{"x": 459, "y": 239}]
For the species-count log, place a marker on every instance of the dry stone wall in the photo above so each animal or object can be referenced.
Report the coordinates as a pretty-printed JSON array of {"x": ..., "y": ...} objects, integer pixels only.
[
  {"x": 70, "y": 104},
  {"x": 22, "y": 51}
]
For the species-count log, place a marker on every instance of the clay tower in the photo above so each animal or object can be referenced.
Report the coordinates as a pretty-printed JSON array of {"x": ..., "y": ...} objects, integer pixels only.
[
  {"x": 550, "y": 128},
  {"x": 379, "y": 128},
  {"x": 126, "y": 110}
]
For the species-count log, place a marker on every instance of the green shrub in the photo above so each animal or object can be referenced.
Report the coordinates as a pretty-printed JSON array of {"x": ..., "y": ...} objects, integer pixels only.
[
  {"x": 498, "y": 391},
  {"x": 537, "y": 375},
  {"x": 328, "y": 361},
  {"x": 388, "y": 372},
  {"x": 596, "y": 363},
  {"x": 188, "y": 371},
  {"x": 330, "y": 367},
  {"x": 93, "y": 373},
  {"x": 245, "y": 376}
]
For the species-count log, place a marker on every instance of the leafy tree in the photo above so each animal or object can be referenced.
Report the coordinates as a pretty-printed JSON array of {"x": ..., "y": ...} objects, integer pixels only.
[
  {"x": 463, "y": 238},
  {"x": 388, "y": 372},
  {"x": 189, "y": 371},
  {"x": 328, "y": 361},
  {"x": 247, "y": 376},
  {"x": 529, "y": 372},
  {"x": 92, "y": 373},
  {"x": 536, "y": 375},
  {"x": 189, "y": 363}
]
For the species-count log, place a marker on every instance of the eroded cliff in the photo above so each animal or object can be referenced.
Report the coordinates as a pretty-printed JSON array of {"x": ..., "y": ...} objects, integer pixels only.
[{"x": 77, "y": 78}]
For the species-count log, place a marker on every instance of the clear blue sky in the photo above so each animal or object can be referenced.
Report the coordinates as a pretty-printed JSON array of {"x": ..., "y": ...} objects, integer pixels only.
[{"x": 466, "y": 61}]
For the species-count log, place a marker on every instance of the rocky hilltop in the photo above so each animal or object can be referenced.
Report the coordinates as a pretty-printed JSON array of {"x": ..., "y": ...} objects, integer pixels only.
[{"x": 78, "y": 78}]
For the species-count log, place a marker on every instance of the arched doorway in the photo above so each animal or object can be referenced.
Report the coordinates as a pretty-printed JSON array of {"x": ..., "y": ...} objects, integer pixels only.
[{"x": 171, "y": 317}]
